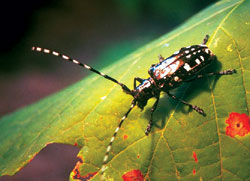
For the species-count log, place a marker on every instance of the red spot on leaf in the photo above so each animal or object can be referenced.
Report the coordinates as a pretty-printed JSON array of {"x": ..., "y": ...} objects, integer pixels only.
[
  {"x": 138, "y": 156},
  {"x": 133, "y": 175},
  {"x": 238, "y": 124},
  {"x": 195, "y": 157},
  {"x": 125, "y": 137},
  {"x": 75, "y": 144},
  {"x": 194, "y": 171}
]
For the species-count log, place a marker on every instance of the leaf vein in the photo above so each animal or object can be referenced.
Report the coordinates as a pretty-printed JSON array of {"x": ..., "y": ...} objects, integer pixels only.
[
  {"x": 198, "y": 23},
  {"x": 212, "y": 94},
  {"x": 150, "y": 164},
  {"x": 232, "y": 173},
  {"x": 241, "y": 65},
  {"x": 217, "y": 128},
  {"x": 224, "y": 19},
  {"x": 237, "y": 140}
]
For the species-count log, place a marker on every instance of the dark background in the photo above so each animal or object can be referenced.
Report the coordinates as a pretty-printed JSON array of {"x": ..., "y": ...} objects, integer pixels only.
[{"x": 95, "y": 32}]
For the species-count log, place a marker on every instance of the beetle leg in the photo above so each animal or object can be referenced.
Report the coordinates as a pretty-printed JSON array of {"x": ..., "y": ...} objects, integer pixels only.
[
  {"x": 224, "y": 72},
  {"x": 205, "y": 40},
  {"x": 196, "y": 108},
  {"x": 148, "y": 129}
]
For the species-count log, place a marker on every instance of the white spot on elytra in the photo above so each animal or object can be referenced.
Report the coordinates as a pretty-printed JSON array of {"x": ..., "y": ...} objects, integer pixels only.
[
  {"x": 188, "y": 56},
  {"x": 102, "y": 74},
  {"x": 187, "y": 67},
  {"x": 192, "y": 49},
  {"x": 38, "y": 49},
  {"x": 207, "y": 51},
  {"x": 176, "y": 78},
  {"x": 197, "y": 61},
  {"x": 187, "y": 51},
  {"x": 202, "y": 58}
]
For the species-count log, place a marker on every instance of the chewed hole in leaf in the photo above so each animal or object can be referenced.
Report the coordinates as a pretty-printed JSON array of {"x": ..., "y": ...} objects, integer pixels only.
[
  {"x": 76, "y": 170},
  {"x": 54, "y": 162},
  {"x": 77, "y": 173},
  {"x": 238, "y": 124}
]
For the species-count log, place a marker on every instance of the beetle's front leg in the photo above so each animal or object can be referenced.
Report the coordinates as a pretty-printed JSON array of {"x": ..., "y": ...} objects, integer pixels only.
[{"x": 148, "y": 129}]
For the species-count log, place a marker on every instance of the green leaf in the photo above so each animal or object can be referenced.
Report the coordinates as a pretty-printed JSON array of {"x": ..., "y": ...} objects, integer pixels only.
[{"x": 88, "y": 112}]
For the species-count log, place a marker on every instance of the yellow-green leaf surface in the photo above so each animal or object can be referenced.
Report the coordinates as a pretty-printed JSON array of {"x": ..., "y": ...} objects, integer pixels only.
[{"x": 88, "y": 112}]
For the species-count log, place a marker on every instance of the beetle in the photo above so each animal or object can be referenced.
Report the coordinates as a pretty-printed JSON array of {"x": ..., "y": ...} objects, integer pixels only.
[{"x": 169, "y": 73}]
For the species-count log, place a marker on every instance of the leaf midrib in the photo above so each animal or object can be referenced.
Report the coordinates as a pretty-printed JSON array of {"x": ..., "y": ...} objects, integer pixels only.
[{"x": 212, "y": 94}]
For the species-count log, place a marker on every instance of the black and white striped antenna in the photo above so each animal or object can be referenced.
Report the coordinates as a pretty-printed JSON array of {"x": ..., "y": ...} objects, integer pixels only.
[
  {"x": 124, "y": 87},
  {"x": 105, "y": 159},
  {"x": 47, "y": 51}
]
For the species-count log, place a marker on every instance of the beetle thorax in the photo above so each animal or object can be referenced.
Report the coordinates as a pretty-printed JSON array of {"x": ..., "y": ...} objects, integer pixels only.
[{"x": 144, "y": 91}]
